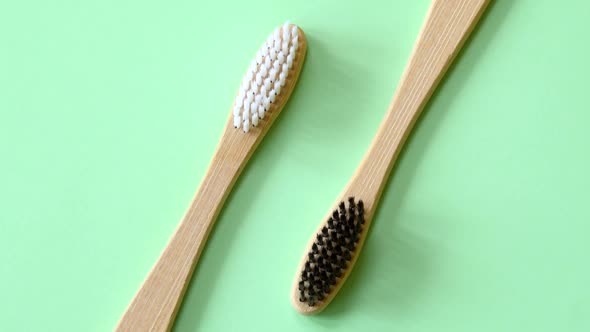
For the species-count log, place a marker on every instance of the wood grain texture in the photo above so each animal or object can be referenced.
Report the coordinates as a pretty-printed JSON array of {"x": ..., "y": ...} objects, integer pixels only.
[
  {"x": 448, "y": 23},
  {"x": 155, "y": 305}
]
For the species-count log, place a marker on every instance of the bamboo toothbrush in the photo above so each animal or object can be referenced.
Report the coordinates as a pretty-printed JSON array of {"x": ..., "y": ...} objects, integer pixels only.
[
  {"x": 265, "y": 89},
  {"x": 335, "y": 246}
]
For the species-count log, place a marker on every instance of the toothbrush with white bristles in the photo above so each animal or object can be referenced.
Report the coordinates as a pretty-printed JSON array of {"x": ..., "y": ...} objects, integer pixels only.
[{"x": 265, "y": 89}]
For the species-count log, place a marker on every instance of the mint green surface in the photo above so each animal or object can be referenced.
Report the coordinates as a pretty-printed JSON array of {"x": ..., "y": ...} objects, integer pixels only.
[{"x": 111, "y": 110}]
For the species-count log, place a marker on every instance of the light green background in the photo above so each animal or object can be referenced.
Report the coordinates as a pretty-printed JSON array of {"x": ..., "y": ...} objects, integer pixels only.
[{"x": 110, "y": 112}]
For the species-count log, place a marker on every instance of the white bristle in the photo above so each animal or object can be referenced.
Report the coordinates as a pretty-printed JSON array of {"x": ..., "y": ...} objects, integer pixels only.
[
  {"x": 273, "y": 54},
  {"x": 267, "y": 83},
  {"x": 263, "y": 89},
  {"x": 255, "y": 118},
  {"x": 286, "y": 31},
  {"x": 273, "y": 74},
  {"x": 281, "y": 57},
  {"x": 253, "y": 107},
  {"x": 266, "y": 76},
  {"x": 261, "y": 112},
  {"x": 263, "y": 70},
  {"x": 266, "y": 104},
  {"x": 246, "y": 125}
]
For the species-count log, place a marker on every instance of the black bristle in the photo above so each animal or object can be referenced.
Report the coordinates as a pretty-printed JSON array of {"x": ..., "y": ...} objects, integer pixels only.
[
  {"x": 351, "y": 206},
  {"x": 347, "y": 255},
  {"x": 321, "y": 261},
  {"x": 330, "y": 223},
  {"x": 343, "y": 263},
  {"x": 350, "y": 221},
  {"x": 329, "y": 245},
  {"x": 343, "y": 219},
  {"x": 319, "y": 239},
  {"x": 329, "y": 268},
  {"x": 350, "y": 245},
  {"x": 351, "y": 201},
  {"x": 332, "y": 280},
  {"x": 325, "y": 231},
  {"x": 314, "y": 248},
  {"x": 335, "y": 215},
  {"x": 358, "y": 228}
]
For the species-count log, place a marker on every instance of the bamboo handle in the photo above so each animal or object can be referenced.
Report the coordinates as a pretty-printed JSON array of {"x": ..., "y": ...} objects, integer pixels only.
[
  {"x": 156, "y": 303},
  {"x": 447, "y": 25}
]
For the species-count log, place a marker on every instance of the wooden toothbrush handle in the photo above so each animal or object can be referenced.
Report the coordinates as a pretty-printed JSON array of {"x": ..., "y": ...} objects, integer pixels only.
[
  {"x": 155, "y": 305},
  {"x": 447, "y": 25}
]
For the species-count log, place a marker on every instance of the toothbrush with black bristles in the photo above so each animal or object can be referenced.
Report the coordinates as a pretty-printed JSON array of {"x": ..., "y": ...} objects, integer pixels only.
[{"x": 335, "y": 246}]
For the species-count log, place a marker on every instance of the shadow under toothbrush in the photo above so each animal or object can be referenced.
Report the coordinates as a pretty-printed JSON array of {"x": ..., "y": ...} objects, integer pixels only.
[{"x": 400, "y": 261}]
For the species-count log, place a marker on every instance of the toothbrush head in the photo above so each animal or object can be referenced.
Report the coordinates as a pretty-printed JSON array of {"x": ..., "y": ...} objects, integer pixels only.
[
  {"x": 271, "y": 77},
  {"x": 326, "y": 266}
]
